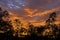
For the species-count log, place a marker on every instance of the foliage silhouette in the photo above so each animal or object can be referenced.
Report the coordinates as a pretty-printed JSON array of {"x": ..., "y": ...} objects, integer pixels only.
[{"x": 49, "y": 31}]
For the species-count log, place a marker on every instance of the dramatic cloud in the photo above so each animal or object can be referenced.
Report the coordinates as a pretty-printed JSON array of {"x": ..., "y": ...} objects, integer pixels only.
[{"x": 31, "y": 9}]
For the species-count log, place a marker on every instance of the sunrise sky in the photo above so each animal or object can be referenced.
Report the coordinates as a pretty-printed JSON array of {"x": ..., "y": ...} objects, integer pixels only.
[{"x": 32, "y": 10}]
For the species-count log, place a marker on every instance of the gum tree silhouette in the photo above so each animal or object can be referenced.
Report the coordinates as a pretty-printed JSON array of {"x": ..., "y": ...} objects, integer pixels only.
[
  {"x": 5, "y": 26},
  {"x": 51, "y": 25},
  {"x": 51, "y": 19}
]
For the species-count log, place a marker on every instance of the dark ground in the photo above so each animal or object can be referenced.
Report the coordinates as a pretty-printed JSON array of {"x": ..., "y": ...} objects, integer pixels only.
[{"x": 32, "y": 37}]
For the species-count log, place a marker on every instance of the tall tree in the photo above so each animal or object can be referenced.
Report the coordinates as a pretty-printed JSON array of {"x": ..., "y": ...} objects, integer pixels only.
[
  {"x": 51, "y": 19},
  {"x": 4, "y": 25}
]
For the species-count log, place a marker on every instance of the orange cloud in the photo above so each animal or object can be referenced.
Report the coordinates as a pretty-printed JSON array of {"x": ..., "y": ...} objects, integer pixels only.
[
  {"x": 32, "y": 13},
  {"x": 45, "y": 12},
  {"x": 37, "y": 23}
]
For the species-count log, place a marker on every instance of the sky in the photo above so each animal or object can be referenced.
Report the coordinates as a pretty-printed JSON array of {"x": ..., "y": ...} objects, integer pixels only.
[
  {"x": 34, "y": 4},
  {"x": 32, "y": 10}
]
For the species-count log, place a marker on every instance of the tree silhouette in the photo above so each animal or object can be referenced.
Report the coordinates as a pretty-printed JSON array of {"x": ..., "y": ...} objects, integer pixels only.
[
  {"x": 39, "y": 30},
  {"x": 4, "y": 25},
  {"x": 49, "y": 30},
  {"x": 31, "y": 28},
  {"x": 51, "y": 19},
  {"x": 51, "y": 25},
  {"x": 0, "y": 9},
  {"x": 6, "y": 13},
  {"x": 53, "y": 15}
]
